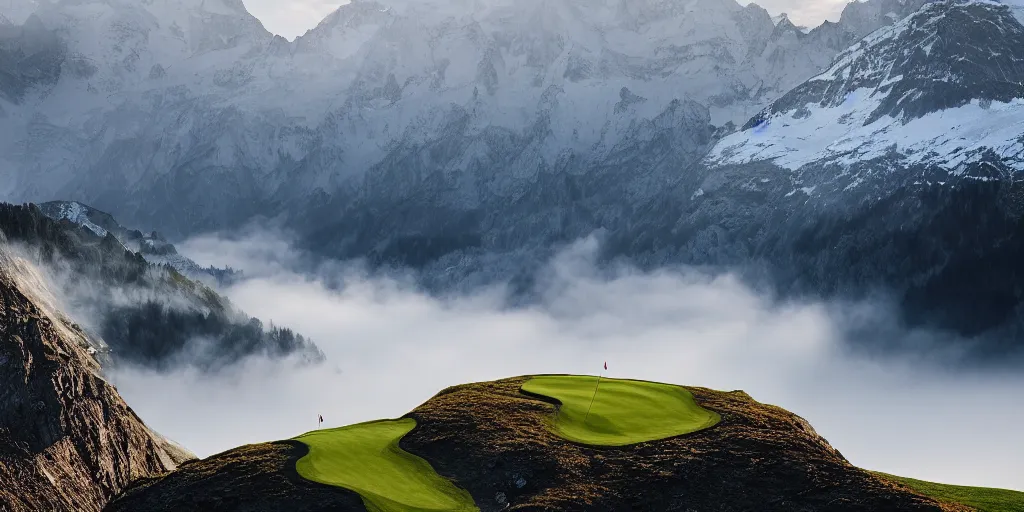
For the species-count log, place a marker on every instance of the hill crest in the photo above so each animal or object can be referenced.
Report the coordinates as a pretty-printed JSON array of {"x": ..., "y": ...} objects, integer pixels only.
[{"x": 494, "y": 441}]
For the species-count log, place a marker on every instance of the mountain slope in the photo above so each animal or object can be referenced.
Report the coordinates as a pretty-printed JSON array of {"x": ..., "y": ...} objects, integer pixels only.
[
  {"x": 153, "y": 247},
  {"x": 67, "y": 439},
  {"x": 494, "y": 441}
]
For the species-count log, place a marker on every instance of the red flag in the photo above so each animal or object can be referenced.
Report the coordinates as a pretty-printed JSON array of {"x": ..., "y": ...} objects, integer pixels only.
[{"x": 606, "y": 365}]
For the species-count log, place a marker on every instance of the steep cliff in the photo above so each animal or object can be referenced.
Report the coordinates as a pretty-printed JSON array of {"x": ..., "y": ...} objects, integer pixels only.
[{"x": 67, "y": 439}]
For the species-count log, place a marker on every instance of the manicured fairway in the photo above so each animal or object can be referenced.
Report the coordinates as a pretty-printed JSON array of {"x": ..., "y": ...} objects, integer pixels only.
[
  {"x": 624, "y": 412},
  {"x": 982, "y": 498},
  {"x": 365, "y": 458}
]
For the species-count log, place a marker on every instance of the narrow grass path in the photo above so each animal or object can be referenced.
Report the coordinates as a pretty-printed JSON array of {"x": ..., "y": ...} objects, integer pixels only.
[
  {"x": 982, "y": 498},
  {"x": 366, "y": 458},
  {"x": 624, "y": 411}
]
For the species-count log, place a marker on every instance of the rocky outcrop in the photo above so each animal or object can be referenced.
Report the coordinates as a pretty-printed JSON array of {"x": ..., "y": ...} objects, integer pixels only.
[{"x": 67, "y": 439}]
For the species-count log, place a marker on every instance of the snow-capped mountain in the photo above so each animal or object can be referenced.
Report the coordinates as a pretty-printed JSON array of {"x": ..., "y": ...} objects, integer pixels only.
[
  {"x": 80, "y": 214},
  {"x": 948, "y": 101},
  {"x": 897, "y": 168},
  {"x": 163, "y": 103}
]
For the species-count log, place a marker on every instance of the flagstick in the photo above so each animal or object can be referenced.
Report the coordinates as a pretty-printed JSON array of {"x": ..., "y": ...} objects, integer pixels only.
[{"x": 592, "y": 399}]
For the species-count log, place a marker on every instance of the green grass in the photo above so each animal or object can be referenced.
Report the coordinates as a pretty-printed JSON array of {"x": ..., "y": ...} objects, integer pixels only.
[
  {"x": 981, "y": 498},
  {"x": 624, "y": 411},
  {"x": 365, "y": 458}
]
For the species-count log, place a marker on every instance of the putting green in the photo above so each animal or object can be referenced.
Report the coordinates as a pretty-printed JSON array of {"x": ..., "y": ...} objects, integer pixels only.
[
  {"x": 365, "y": 458},
  {"x": 624, "y": 411}
]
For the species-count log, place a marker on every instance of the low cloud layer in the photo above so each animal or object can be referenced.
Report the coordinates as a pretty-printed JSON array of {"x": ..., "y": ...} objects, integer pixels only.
[{"x": 390, "y": 347}]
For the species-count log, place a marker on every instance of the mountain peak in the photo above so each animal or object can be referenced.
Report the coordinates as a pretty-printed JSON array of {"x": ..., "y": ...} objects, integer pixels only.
[{"x": 946, "y": 55}]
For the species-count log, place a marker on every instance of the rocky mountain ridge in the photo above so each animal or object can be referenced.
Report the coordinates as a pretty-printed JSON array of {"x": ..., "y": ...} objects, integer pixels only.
[{"x": 153, "y": 247}]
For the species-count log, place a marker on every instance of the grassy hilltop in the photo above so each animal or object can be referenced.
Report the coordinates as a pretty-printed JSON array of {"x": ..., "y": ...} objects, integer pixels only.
[{"x": 528, "y": 443}]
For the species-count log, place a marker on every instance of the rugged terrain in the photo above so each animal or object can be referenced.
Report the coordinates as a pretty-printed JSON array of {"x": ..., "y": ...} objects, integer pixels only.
[
  {"x": 67, "y": 439},
  {"x": 494, "y": 441}
]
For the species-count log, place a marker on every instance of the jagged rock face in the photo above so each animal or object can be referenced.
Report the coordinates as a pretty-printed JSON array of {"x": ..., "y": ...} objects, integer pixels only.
[
  {"x": 67, "y": 439},
  {"x": 189, "y": 116}
]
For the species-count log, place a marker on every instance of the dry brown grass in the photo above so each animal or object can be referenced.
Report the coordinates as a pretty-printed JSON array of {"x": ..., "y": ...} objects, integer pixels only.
[
  {"x": 494, "y": 441},
  {"x": 760, "y": 457}
]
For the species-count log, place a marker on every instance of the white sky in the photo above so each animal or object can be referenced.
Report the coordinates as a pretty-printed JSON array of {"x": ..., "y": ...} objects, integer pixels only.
[{"x": 291, "y": 18}]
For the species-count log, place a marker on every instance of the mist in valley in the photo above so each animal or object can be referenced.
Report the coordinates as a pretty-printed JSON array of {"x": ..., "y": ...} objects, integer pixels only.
[{"x": 390, "y": 346}]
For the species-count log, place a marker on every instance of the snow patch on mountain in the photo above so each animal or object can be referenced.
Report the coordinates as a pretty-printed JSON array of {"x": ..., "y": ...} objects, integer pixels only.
[
  {"x": 947, "y": 139},
  {"x": 153, "y": 248},
  {"x": 78, "y": 213}
]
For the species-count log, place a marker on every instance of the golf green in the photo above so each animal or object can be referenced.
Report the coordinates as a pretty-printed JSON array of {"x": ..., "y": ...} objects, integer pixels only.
[
  {"x": 366, "y": 458},
  {"x": 624, "y": 411}
]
